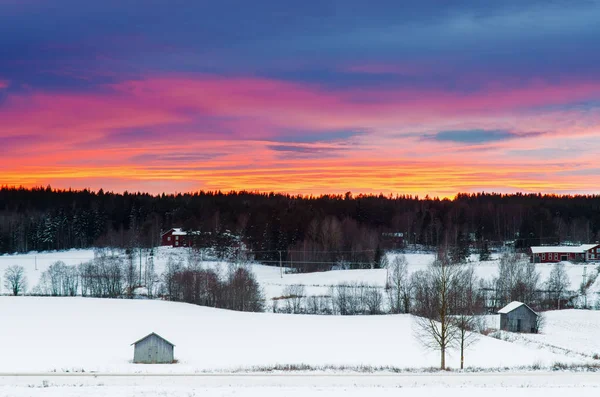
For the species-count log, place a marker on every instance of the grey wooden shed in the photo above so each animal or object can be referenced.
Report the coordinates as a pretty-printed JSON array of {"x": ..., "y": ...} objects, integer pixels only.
[
  {"x": 153, "y": 349},
  {"x": 518, "y": 317}
]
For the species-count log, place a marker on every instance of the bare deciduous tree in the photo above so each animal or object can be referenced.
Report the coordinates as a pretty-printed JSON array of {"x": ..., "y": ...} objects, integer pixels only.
[
  {"x": 517, "y": 280},
  {"x": 468, "y": 331},
  {"x": 373, "y": 300},
  {"x": 558, "y": 282},
  {"x": 15, "y": 279},
  {"x": 399, "y": 286},
  {"x": 150, "y": 277},
  {"x": 466, "y": 307},
  {"x": 59, "y": 280},
  {"x": 132, "y": 276},
  {"x": 341, "y": 300},
  {"x": 540, "y": 322},
  {"x": 243, "y": 291},
  {"x": 433, "y": 298},
  {"x": 318, "y": 305},
  {"x": 294, "y": 297}
]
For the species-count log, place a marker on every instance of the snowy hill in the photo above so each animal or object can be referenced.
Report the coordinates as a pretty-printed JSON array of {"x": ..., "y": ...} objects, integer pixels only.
[
  {"x": 571, "y": 332},
  {"x": 86, "y": 334},
  {"x": 270, "y": 277}
]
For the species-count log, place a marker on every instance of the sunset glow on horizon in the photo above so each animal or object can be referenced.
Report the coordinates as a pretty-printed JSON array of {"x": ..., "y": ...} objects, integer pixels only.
[{"x": 312, "y": 98}]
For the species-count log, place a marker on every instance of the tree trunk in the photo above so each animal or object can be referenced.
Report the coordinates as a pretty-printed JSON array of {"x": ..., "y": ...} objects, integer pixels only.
[
  {"x": 443, "y": 358},
  {"x": 462, "y": 352}
]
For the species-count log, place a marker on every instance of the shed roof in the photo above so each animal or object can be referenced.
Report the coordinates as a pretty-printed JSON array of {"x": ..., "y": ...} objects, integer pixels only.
[
  {"x": 574, "y": 249},
  {"x": 149, "y": 335},
  {"x": 512, "y": 306}
]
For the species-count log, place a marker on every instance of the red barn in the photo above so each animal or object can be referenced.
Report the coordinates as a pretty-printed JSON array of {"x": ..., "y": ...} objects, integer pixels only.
[
  {"x": 176, "y": 237},
  {"x": 392, "y": 240},
  {"x": 573, "y": 253}
]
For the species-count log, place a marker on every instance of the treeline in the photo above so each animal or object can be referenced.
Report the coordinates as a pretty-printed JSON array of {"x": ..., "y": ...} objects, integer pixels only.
[
  {"x": 237, "y": 290},
  {"x": 307, "y": 233},
  {"x": 117, "y": 273},
  {"x": 405, "y": 292}
]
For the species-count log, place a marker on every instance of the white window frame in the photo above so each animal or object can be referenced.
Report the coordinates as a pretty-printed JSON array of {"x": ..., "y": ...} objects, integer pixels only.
[{"x": 168, "y": 238}]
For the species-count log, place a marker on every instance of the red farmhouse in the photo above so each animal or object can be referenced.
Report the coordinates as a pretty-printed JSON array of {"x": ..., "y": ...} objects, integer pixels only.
[
  {"x": 574, "y": 253},
  {"x": 176, "y": 237}
]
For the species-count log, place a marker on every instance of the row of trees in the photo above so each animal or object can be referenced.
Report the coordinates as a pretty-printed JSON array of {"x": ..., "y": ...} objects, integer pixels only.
[
  {"x": 111, "y": 274},
  {"x": 311, "y": 232},
  {"x": 517, "y": 279},
  {"x": 236, "y": 290},
  {"x": 120, "y": 274}
]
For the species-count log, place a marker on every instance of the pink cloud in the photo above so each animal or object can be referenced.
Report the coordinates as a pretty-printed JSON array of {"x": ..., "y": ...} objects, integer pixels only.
[
  {"x": 285, "y": 103},
  {"x": 238, "y": 119},
  {"x": 3, "y": 84},
  {"x": 258, "y": 108}
]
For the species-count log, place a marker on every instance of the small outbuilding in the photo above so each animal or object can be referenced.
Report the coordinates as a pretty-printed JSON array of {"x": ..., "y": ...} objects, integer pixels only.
[
  {"x": 518, "y": 317},
  {"x": 153, "y": 349}
]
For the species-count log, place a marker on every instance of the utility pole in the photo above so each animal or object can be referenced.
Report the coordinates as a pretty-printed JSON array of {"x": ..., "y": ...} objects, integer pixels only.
[
  {"x": 140, "y": 266},
  {"x": 280, "y": 267},
  {"x": 584, "y": 289}
]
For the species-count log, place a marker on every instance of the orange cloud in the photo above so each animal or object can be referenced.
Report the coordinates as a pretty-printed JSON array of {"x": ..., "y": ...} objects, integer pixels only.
[{"x": 175, "y": 133}]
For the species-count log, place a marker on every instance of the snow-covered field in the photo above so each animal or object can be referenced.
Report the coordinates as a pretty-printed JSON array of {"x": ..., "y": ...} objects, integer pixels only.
[
  {"x": 556, "y": 384},
  {"x": 84, "y": 334},
  {"x": 75, "y": 346},
  {"x": 271, "y": 279},
  {"x": 570, "y": 332},
  {"x": 43, "y": 334}
]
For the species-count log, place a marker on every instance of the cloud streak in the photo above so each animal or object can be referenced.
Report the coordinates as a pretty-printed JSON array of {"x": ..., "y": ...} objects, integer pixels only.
[{"x": 478, "y": 136}]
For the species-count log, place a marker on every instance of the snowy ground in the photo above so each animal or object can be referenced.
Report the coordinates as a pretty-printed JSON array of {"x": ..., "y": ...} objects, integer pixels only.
[
  {"x": 557, "y": 384},
  {"x": 570, "y": 332},
  {"x": 42, "y": 334},
  {"x": 271, "y": 279}
]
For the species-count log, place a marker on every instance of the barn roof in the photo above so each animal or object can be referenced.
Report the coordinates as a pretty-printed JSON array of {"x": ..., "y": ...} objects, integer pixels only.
[
  {"x": 512, "y": 306},
  {"x": 149, "y": 335},
  {"x": 572, "y": 249}
]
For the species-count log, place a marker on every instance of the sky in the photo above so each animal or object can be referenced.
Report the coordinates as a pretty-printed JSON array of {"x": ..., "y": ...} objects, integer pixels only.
[{"x": 312, "y": 97}]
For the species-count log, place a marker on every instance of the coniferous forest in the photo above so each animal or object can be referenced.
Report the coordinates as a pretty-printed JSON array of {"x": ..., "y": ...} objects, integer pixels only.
[{"x": 324, "y": 228}]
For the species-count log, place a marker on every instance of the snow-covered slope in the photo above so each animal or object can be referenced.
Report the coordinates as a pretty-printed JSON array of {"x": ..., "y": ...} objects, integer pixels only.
[
  {"x": 74, "y": 334},
  {"x": 270, "y": 277},
  {"x": 572, "y": 332}
]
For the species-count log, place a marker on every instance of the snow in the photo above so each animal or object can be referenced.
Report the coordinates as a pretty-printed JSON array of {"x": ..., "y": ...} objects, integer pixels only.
[
  {"x": 556, "y": 384},
  {"x": 43, "y": 334},
  {"x": 272, "y": 282},
  {"x": 573, "y": 332},
  {"x": 574, "y": 249},
  {"x": 510, "y": 307}
]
